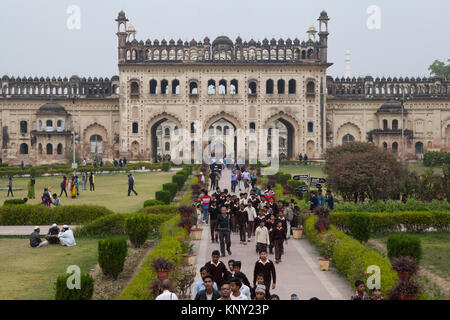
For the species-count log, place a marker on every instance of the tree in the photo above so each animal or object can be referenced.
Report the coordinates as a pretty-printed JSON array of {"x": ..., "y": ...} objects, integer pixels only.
[
  {"x": 440, "y": 69},
  {"x": 360, "y": 170}
]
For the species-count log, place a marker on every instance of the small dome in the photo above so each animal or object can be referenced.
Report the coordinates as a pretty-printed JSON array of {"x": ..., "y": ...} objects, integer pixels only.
[
  {"x": 222, "y": 40},
  {"x": 51, "y": 108},
  {"x": 131, "y": 28}
]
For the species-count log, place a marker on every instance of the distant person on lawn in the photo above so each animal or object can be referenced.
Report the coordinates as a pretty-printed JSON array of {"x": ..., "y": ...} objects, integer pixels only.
[
  {"x": 63, "y": 186},
  {"x": 73, "y": 188},
  {"x": 35, "y": 239},
  {"x": 131, "y": 184},
  {"x": 31, "y": 188},
  {"x": 56, "y": 201},
  {"x": 66, "y": 237},
  {"x": 91, "y": 182},
  {"x": 10, "y": 187}
]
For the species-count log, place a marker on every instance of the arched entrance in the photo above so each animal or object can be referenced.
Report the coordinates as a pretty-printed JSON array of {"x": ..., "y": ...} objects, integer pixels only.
[
  {"x": 222, "y": 140},
  {"x": 162, "y": 133},
  {"x": 286, "y": 133}
]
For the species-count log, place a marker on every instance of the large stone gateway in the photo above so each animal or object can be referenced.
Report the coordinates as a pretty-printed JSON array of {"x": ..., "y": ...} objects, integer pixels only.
[{"x": 215, "y": 89}]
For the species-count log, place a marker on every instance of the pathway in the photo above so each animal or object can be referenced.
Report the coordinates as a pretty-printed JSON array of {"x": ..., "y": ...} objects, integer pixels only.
[
  {"x": 297, "y": 273},
  {"x": 24, "y": 230}
]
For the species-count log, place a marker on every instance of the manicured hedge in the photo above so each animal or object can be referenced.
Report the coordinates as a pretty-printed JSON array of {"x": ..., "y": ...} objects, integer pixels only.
[
  {"x": 169, "y": 248},
  {"x": 41, "y": 215},
  {"x": 160, "y": 209},
  {"x": 137, "y": 227},
  {"x": 351, "y": 258},
  {"x": 172, "y": 188},
  {"x": 392, "y": 206},
  {"x": 166, "y": 166},
  {"x": 112, "y": 253},
  {"x": 84, "y": 293},
  {"x": 114, "y": 224},
  {"x": 179, "y": 180},
  {"x": 163, "y": 196},
  {"x": 410, "y": 221},
  {"x": 401, "y": 245},
  {"x": 149, "y": 203},
  {"x": 14, "y": 201}
]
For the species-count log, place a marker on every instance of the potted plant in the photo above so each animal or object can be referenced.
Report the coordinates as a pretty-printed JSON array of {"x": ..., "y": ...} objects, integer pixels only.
[
  {"x": 326, "y": 251},
  {"x": 187, "y": 223},
  {"x": 162, "y": 267},
  {"x": 186, "y": 211},
  {"x": 196, "y": 187},
  {"x": 322, "y": 222},
  {"x": 189, "y": 255},
  {"x": 405, "y": 267},
  {"x": 407, "y": 289},
  {"x": 185, "y": 279},
  {"x": 196, "y": 233},
  {"x": 297, "y": 232}
]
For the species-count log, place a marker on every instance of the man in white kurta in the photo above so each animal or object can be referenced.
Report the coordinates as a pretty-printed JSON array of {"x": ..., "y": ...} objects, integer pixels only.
[{"x": 66, "y": 237}]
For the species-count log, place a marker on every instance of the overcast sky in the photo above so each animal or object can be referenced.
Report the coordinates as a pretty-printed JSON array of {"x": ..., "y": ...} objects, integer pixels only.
[{"x": 36, "y": 40}]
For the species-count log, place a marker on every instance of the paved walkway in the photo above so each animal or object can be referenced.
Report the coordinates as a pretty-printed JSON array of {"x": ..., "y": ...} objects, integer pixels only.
[
  {"x": 297, "y": 273},
  {"x": 24, "y": 230}
]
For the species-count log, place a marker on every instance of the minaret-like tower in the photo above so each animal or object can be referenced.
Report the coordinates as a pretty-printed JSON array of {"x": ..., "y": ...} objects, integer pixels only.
[
  {"x": 122, "y": 35},
  {"x": 348, "y": 67},
  {"x": 323, "y": 35}
]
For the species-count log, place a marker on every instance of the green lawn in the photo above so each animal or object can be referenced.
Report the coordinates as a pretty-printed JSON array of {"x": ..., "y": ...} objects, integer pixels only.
[
  {"x": 110, "y": 190},
  {"x": 30, "y": 273},
  {"x": 314, "y": 171},
  {"x": 436, "y": 251}
]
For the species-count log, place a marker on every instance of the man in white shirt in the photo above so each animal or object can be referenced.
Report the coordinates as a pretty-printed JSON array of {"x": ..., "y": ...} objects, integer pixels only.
[
  {"x": 251, "y": 218},
  {"x": 66, "y": 237},
  {"x": 167, "y": 291},
  {"x": 245, "y": 290},
  {"x": 236, "y": 293}
]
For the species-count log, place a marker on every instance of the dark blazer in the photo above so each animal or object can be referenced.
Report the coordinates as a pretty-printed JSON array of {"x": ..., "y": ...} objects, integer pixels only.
[{"x": 201, "y": 295}]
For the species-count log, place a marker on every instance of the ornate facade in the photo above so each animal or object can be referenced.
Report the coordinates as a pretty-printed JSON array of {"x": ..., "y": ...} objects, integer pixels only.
[{"x": 166, "y": 86}]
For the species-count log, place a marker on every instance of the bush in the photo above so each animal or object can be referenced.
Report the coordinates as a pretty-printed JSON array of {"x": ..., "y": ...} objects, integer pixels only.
[
  {"x": 14, "y": 201},
  {"x": 137, "y": 228},
  {"x": 163, "y": 196},
  {"x": 171, "y": 187},
  {"x": 351, "y": 258},
  {"x": 166, "y": 166},
  {"x": 294, "y": 184},
  {"x": 160, "y": 209},
  {"x": 401, "y": 245},
  {"x": 436, "y": 158},
  {"x": 149, "y": 203},
  {"x": 392, "y": 206},
  {"x": 179, "y": 180},
  {"x": 359, "y": 226},
  {"x": 39, "y": 214},
  {"x": 84, "y": 293},
  {"x": 112, "y": 253}
]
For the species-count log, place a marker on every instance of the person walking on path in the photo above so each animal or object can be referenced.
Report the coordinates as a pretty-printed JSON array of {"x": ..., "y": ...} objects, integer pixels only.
[
  {"x": 31, "y": 188},
  {"x": 77, "y": 183},
  {"x": 131, "y": 184},
  {"x": 225, "y": 291},
  {"x": 91, "y": 182},
  {"x": 261, "y": 237},
  {"x": 314, "y": 202},
  {"x": 329, "y": 200},
  {"x": 321, "y": 198},
  {"x": 265, "y": 267},
  {"x": 239, "y": 179},
  {"x": 217, "y": 268},
  {"x": 242, "y": 220},
  {"x": 209, "y": 292},
  {"x": 63, "y": 186},
  {"x": 212, "y": 177},
  {"x": 254, "y": 179},
  {"x": 233, "y": 181},
  {"x": 289, "y": 214},
  {"x": 236, "y": 286},
  {"x": 124, "y": 162},
  {"x": 205, "y": 203},
  {"x": 213, "y": 214},
  {"x": 224, "y": 227},
  {"x": 279, "y": 236},
  {"x": 200, "y": 285},
  {"x": 251, "y": 213},
  {"x": 84, "y": 179},
  {"x": 10, "y": 187}
]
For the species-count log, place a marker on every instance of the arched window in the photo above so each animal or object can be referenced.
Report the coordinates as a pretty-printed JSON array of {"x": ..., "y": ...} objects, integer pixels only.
[
  {"x": 394, "y": 124},
  {"x": 23, "y": 148},
  {"x": 134, "y": 89},
  {"x": 347, "y": 138},
  {"x": 385, "y": 124},
  {"x": 252, "y": 127},
  {"x": 193, "y": 127},
  {"x": 193, "y": 87},
  {"x": 40, "y": 148},
  {"x": 59, "y": 125},
  {"x": 164, "y": 86},
  {"x": 167, "y": 146},
  {"x": 269, "y": 86},
  {"x": 23, "y": 127},
  {"x": 303, "y": 54},
  {"x": 167, "y": 132},
  {"x": 226, "y": 130},
  {"x": 310, "y": 88},
  {"x": 153, "y": 85},
  {"x": 49, "y": 148},
  {"x": 395, "y": 146},
  {"x": 384, "y": 145},
  {"x": 135, "y": 127},
  {"x": 252, "y": 87},
  {"x": 234, "y": 86},
  {"x": 222, "y": 87},
  {"x": 292, "y": 85},
  {"x": 96, "y": 144},
  {"x": 175, "y": 86},
  {"x": 49, "y": 125},
  {"x": 59, "y": 148},
  {"x": 280, "y": 86},
  {"x": 211, "y": 87},
  {"x": 419, "y": 147},
  {"x": 310, "y": 54}
]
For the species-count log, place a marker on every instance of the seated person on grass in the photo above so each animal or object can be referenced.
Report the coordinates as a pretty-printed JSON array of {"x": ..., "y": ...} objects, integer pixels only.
[
  {"x": 35, "y": 239},
  {"x": 52, "y": 235},
  {"x": 66, "y": 237}
]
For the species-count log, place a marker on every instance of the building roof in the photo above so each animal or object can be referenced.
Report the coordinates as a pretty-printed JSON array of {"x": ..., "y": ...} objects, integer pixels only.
[
  {"x": 52, "y": 107},
  {"x": 392, "y": 106},
  {"x": 222, "y": 40}
]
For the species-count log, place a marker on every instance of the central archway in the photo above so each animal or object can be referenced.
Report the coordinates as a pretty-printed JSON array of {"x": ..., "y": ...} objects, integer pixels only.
[
  {"x": 161, "y": 130},
  {"x": 288, "y": 129},
  {"x": 222, "y": 140}
]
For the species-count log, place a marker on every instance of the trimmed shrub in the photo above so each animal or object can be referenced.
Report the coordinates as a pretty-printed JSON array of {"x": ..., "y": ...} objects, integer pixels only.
[
  {"x": 179, "y": 180},
  {"x": 13, "y": 201},
  {"x": 392, "y": 206},
  {"x": 149, "y": 203},
  {"x": 160, "y": 209},
  {"x": 294, "y": 184},
  {"x": 39, "y": 214},
  {"x": 359, "y": 226},
  {"x": 137, "y": 228},
  {"x": 401, "y": 245},
  {"x": 163, "y": 196},
  {"x": 112, "y": 253},
  {"x": 171, "y": 187},
  {"x": 84, "y": 293},
  {"x": 165, "y": 166}
]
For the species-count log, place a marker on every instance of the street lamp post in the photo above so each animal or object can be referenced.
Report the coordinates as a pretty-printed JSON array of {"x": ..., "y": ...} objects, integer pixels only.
[{"x": 74, "y": 164}]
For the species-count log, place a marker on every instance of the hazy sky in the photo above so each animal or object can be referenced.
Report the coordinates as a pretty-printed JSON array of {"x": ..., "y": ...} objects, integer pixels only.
[{"x": 36, "y": 40}]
